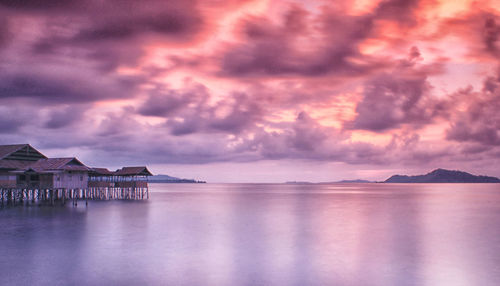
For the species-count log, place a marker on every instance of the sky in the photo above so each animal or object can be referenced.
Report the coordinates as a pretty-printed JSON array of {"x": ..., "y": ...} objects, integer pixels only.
[{"x": 255, "y": 90}]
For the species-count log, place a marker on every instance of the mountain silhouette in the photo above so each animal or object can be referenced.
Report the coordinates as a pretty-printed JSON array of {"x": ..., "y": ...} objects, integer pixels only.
[{"x": 443, "y": 176}]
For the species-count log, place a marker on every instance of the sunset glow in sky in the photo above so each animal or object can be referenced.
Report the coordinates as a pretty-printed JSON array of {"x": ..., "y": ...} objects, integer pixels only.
[{"x": 255, "y": 91}]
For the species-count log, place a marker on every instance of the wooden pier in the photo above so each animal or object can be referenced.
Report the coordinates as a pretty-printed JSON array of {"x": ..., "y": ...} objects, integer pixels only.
[{"x": 29, "y": 177}]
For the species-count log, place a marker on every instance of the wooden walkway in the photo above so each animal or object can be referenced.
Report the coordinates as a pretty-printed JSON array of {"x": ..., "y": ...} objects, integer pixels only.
[{"x": 16, "y": 196}]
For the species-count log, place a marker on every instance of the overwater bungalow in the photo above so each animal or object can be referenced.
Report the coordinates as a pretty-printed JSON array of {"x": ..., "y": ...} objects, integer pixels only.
[
  {"x": 53, "y": 173},
  {"x": 120, "y": 182},
  {"x": 27, "y": 174},
  {"x": 13, "y": 158}
]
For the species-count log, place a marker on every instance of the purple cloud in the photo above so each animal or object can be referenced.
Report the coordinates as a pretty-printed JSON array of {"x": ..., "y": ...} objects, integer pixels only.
[
  {"x": 274, "y": 85},
  {"x": 390, "y": 100},
  {"x": 268, "y": 49},
  {"x": 275, "y": 50},
  {"x": 480, "y": 121},
  {"x": 62, "y": 87},
  {"x": 188, "y": 111},
  {"x": 491, "y": 36},
  {"x": 4, "y": 32},
  {"x": 65, "y": 116}
]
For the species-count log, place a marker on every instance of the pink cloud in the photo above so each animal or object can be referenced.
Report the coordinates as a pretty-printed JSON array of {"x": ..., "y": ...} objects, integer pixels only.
[{"x": 266, "y": 88}]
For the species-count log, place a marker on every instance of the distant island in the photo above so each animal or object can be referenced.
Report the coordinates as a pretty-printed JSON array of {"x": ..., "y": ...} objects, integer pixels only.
[
  {"x": 170, "y": 179},
  {"x": 442, "y": 176}
]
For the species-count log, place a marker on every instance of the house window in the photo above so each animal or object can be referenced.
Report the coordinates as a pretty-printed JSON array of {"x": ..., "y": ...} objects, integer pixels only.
[
  {"x": 58, "y": 178},
  {"x": 81, "y": 178},
  {"x": 35, "y": 178},
  {"x": 22, "y": 177}
]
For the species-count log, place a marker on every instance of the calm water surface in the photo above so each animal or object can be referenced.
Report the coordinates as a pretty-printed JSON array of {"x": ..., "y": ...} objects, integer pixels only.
[{"x": 261, "y": 234}]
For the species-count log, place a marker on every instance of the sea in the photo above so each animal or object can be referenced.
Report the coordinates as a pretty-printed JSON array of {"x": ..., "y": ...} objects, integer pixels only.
[{"x": 261, "y": 234}]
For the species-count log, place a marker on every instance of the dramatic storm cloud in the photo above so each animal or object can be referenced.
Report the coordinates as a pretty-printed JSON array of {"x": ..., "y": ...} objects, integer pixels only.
[{"x": 316, "y": 90}]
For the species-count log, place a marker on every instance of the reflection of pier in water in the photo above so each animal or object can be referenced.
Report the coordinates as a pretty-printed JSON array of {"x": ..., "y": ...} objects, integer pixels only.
[{"x": 28, "y": 176}]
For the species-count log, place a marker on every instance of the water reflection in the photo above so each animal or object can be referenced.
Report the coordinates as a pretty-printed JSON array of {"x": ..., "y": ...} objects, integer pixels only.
[
  {"x": 31, "y": 247},
  {"x": 255, "y": 234}
]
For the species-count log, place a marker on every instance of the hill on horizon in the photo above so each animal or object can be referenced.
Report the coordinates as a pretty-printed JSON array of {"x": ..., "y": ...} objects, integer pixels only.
[
  {"x": 442, "y": 176},
  {"x": 170, "y": 179}
]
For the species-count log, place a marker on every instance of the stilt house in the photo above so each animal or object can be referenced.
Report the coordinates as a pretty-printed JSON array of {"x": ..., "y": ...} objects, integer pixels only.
[
  {"x": 25, "y": 172},
  {"x": 54, "y": 173},
  {"x": 16, "y": 157}
]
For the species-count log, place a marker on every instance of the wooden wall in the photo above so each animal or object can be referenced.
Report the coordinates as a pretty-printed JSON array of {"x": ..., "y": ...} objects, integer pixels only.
[
  {"x": 7, "y": 180},
  {"x": 73, "y": 180}
]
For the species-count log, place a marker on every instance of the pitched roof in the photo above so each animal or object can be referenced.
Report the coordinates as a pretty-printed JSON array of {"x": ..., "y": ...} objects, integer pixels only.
[
  {"x": 14, "y": 164},
  {"x": 18, "y": 156},
  {"x": 133, "y": 171},
  {"x": 20, "y": 152},
  {"x": 6, "y": 150},
  {"x": 55, "y": 164},
  {"x": 101, "y": 171}
]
